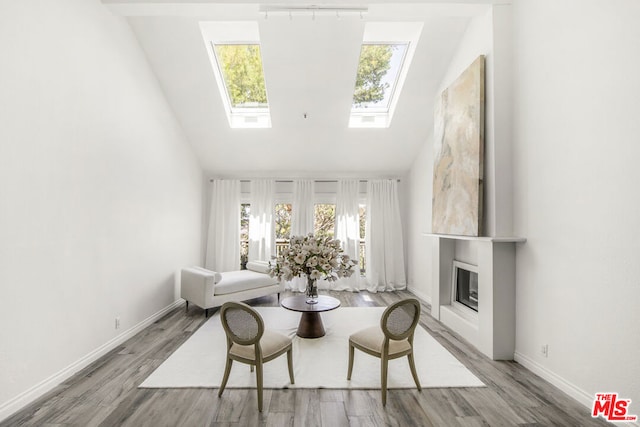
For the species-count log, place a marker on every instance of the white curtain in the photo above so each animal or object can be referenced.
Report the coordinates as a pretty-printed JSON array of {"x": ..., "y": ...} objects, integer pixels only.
[
  {"x": 347, "y": 230},
  {"x": 384, "y": 245},
  {"x": 302, "y": 208},
  {"x": 223, "y": 240},
  {"x": 302, "y": 212},
  {"x": 261, "y": 229}
]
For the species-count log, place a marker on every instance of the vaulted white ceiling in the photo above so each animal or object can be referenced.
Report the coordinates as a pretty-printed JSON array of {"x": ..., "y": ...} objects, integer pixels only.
[{"x": 310, "y": 67}]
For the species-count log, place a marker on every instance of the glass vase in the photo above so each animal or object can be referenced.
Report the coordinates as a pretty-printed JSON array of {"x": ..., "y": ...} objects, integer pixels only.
[{"x": 311, "y": 292}]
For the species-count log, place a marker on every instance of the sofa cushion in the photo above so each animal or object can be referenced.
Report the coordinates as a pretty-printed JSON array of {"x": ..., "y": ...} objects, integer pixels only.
[
  {"x": 242, "y": 280},
  {"x": 203, "y": 272},
  {"x": 259, "y": 266}
]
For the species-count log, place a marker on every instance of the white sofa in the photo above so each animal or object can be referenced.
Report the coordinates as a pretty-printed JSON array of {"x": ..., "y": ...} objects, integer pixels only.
[{"x": 208, "y": 289}]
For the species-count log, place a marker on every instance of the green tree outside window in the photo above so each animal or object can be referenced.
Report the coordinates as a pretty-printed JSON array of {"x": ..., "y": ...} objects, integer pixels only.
[{"x": 241, "y": 66}]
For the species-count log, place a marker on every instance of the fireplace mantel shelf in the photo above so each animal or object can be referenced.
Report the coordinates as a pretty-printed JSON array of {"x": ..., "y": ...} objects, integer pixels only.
[{"x": 508, "y": 239}]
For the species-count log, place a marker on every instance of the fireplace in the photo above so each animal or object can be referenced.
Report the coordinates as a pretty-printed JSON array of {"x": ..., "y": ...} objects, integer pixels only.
[
  {"x": 464, "y": 286},
  {"x": 491, "y": 329}
]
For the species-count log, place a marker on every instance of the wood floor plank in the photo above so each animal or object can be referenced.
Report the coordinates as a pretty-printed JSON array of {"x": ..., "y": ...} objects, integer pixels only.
[
  {"x": 106, "y": 393},
  {"x": 282, "y": 400},
  {"x": 232, "y": 402},
  {"x": 333, "y": 413},
  {"x": 280, "y": 419},
  {"x": 357, "y": 404},
  {"x": 406, "y": 409},
  {"x": 307, "y": 408}
]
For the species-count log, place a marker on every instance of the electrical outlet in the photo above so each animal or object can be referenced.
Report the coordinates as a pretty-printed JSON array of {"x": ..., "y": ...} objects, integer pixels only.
[
  {"x": 117, "y": 323},
  {"x": 544, "y": 350}
]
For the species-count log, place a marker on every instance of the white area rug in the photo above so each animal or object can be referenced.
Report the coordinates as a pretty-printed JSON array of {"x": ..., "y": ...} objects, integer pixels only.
[{"x": 318, "y": 363}]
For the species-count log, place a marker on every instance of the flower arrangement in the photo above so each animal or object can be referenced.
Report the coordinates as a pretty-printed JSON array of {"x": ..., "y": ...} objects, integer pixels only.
[{"x": 314, "y": 256}]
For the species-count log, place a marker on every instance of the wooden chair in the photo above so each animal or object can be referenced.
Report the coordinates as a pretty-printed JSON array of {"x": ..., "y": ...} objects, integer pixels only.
[
  {"x": 392, "y": 339},
  {"x": 248, "y": 342}
]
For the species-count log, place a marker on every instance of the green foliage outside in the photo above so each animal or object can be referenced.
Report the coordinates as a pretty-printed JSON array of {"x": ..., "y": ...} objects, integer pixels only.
[
  {"x": 374, "y": 63},
  {"x": 245, "y": 210},
  {"x": 283, "y": 221},
  {"x": 241, "y": 65},
  {"x": 324, "y": 220}
]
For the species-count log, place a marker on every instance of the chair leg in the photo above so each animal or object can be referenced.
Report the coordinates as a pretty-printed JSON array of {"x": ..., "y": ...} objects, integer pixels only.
[
  {"x": 351, "y": 351},
  {"x": 384, "y": 365},
  {"x": 206, "y": 312},
  {"x": 259, "y": 383},
  {"x": 412, "y": 365},
  {"x": 290, "y": 363},
  {"x": 186, "y": 307},
  {"x": 227, "y": 370}
]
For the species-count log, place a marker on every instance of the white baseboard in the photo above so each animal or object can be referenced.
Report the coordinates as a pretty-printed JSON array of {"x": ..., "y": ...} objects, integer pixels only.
[
  {"x": 424, "y": 297},
  {"x": 584, "y": 398},
  {"x": 23, "y": 399}
]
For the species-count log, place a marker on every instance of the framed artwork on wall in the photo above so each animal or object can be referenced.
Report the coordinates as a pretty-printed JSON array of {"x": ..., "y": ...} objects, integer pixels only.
[{"x": 459, "y": 154}]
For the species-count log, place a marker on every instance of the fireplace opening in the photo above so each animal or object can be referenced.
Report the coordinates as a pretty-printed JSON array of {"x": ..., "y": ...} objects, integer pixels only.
[{"x": 465, "y": 285}]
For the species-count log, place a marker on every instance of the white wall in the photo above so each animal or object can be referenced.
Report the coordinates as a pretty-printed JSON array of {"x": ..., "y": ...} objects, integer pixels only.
[
  {"x": 476, "y": 41},
  {"x": 100, "y": 192},
  {"x": 419, "y": 253},
  {"x": 576, "y": 192}
]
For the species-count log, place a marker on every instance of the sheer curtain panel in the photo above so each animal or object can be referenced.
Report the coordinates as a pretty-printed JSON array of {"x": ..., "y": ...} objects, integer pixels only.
[
  {"x": 302, "y": 210},
  {"x": 223, "y": 239},
  {"x": 384, "y": 245},
  {"x": 261, "y": 229},
  {"x": 347, "y": 230}
]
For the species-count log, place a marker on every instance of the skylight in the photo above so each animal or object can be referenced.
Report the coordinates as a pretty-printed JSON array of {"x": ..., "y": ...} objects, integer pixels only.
[
  {"x": 234, "y": 51},
  {"x": 378, "y": 71},
  {"x": 382, "y": 69},
  {"x": 241, "y": 69}
]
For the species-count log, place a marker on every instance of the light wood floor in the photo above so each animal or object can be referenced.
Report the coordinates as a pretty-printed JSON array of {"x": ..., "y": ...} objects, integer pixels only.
[{"x": 106, "y": 393}]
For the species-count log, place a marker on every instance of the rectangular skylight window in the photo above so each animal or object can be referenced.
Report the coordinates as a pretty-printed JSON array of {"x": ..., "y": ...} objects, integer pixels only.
[
  {"x": 234, "y": 51},
  {"x": 378, "y": 71},
  {"x": 241, "y": 69},
  {"x": 385, "y": 56}
]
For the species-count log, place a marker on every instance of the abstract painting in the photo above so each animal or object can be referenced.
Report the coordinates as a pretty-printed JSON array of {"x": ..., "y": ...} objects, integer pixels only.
[{"x": 459, "y": 154}]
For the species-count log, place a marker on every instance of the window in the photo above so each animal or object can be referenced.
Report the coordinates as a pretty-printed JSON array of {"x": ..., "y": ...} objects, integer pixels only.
[
  {"x": 324, "y": 220},
  {"x": 241, "y": 69},
  {"x": 362, "y": 252},
  {"x": 385, "y": 56},
  {"x": 324, "y": 225},
  {"x": 245, "y": 211},
  {"x": 283, "y": 226},
  {"x": 236, "y": 60},
  {"x": 377, "y": 76}
]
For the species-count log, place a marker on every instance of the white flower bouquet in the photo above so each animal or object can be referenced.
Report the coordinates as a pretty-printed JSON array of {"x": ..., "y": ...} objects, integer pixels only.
[{"x": 315, "y": 257}]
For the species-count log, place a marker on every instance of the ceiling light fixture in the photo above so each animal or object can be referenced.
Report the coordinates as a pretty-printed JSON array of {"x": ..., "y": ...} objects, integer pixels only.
[{"x": 313, "y": 10}]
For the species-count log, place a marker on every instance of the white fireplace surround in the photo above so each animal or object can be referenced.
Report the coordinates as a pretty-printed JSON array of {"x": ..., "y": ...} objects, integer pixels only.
[{"x": 492, "y": 331}]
